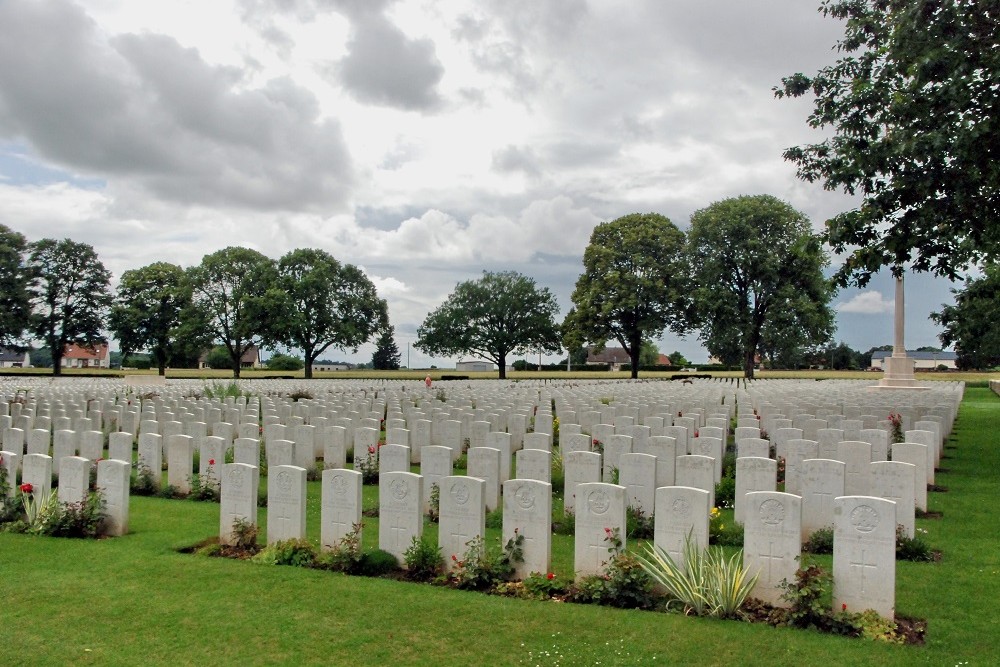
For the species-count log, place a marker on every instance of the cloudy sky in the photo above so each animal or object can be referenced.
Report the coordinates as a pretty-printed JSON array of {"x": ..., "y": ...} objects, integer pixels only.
[{"x": 422, "y": 141}]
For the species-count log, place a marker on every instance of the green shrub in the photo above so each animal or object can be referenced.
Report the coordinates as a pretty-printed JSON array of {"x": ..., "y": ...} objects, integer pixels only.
[
  {"x": 346, "y": 555},
  {"x": 145, "y": 483},
  {"x": 723, "y": 532},
  {"x": 300, "y": 553},
  {"x": 539, "y": 586},
  {"x": 494, "y": 518},
  {"x": 284, "y": 362},
  {"x": 422, "y": 559},
  {"x": 725, "y": 493},
  {"x": 81, "y": 519},
  {"x": 820, "y": 542},
  {"x": 377, "y": 562},
  {"x": 481, "y": 568},
  {"x": 912, "y": 548},
  {"x": 638, "y": 525}
]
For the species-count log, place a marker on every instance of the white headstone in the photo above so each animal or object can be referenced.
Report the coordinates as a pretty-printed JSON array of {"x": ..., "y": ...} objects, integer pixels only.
[
  {"x": 681, "y": 511},
  {"x": 286, "y": 503},
  {"x": 771, "y": 543},
  {"x": 579, "y": 467},
  {"x": 534, "y": 464},
  {"x": 401, "y": 517},
  {"x": 637, "y": 473},
  {"x": 600, "y": 518},
  {"x": 697, "y": 472},
  {"x": 864, "y": 555},
  {"x": 113, "y": 477},
  {"x": 180, "y": 462},
  {"x": 484, "y": 463},
  {"x": 341, "y": 505},
  {"x": 74, "y": 479},
  {"x": 527, "y": 511},
  {"x": 238, "y": 498},
  {"x": 463, "y": 516},
  {"x": 822, "y": 482},
  {"x": 753, "y": 474},
  {"x": 894, "y": 480}
]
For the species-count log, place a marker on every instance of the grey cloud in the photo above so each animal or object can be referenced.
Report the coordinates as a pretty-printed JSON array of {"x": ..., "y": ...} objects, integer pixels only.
[
  {"x": 143, "y": 107},
  {"x": 383, "y": 66},
  {"x": 514, "y": 158}
]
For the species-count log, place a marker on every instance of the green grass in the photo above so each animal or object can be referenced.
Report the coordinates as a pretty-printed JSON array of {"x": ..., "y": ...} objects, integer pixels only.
[{"x": 137, "y": 600}]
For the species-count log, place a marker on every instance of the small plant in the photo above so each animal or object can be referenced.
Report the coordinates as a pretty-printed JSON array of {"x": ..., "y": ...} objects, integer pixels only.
[
  {"x": 481, "y": 568},
  {"x": 896, "y": 423},
  {"x": 708, "y": 584},
  {"x": 205, "y": 487},
  {"x": 368, "y": 466},
  {"x": 377, "y": 563},
  {"x": 820, "y": 542},
  {"x": 299, "y": 394},
  {"x": 565, "y": 525},
  {"x": 434, "y": 504},
  {"x": 494, "y": 518},
  {"x": 637, "y": 524},
  {"x": 300, "y": 553},
  {"x": 809, "y": 597},
  {"x": 781, "y": 470},
  {"x": 912, "y": 548},
  {"x": 440, "y": 395},
  {"x": 145, "y": 483},
  {"x": 82, "y": 519},
  {"x": 244, "y": 536},
  {"x": 544, "y": 586},
  {"x": 725, "y": 492},
  {"x": 219, "y": 390},
  {"x": 722, "y": 533},
  {"x": 346, "y": 555},
  {"x": 422, "y": 559},
  {"x": 615, "y": 475}
]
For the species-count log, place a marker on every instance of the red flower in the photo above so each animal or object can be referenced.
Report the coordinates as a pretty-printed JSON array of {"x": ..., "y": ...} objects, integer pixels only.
[
  {"x": 550, "y": 576},
  {"x": 607, "y": 531},
  {"x": 696, "y": 434},
  {"x": 211, "y": 462},
  {"x": 454, "y": 558},
  {"x": 371, "y": 449},
  {"x": 843, "y": 607},
  {"x": 596, "y": 441},
  {"x": 27, "y": 488}
]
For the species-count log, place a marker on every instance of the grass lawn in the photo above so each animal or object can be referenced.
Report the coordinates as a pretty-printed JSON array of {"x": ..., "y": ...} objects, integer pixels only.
[{"x": 137, "y": 600}]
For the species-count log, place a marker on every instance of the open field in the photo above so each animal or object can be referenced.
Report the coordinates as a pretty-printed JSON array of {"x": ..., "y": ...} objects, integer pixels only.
[
  {"x": 437, "y": 373},
  {"x": 136, "y": 599}
]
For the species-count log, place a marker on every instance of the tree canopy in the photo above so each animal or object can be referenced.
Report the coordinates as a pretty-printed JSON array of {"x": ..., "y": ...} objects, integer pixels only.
[
  {"x": 757, "y": 274},
  {"x": 15, "y": 306},
  {"x": 147, "y": 313},
  {"x": 235, "y": 293},
  {"x": 386, "y": 356},
  {"x": 499, "y": 314},
  {"x": 912, "y": 105},
  {"x": 329, "y": 304},
  {"x": 632, "y": 286},
  {"x": 70, "y": 295},
  {"x": 970, "y": 324}
]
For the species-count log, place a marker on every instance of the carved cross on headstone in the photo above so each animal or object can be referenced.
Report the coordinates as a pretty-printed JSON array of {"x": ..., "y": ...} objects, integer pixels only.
[
  {"x": 770, "y": 557},
  {"x": 864, "y": 566}
]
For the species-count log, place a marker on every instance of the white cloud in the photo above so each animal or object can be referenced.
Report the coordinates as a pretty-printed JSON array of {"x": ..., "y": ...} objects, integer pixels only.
[{"x": 866, "y": 303}]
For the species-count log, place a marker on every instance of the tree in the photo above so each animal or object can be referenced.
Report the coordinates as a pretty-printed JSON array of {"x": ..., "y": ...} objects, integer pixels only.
[
  {"x": 632, "y": 286},
  {"x": 758, "y": 276},
  {"x": 218, "y": 358},
  {"x": 284, "y": 362},
  {"x": 912, "y": 105},
  {"x": 15, "y": 305},
  {"x": 330, "y": 304},
  {"x": 499, "y": 314},
  {"x": 147, "y": 312},
  {"x": 970, "y": 323},
  {"x": 649, "y": 354},
  {"x": 235, "y": 293},
  {"x": 70, "y": 295},
  {"x": 386, "y": 357},
  {"x": 678, "y": 359}
]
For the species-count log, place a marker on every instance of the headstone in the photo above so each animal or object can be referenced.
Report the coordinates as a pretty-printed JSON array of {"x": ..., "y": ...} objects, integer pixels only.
[
  {"x": 534, "y": 464},
  {"x": 463, "y": 516},
  {"x": 822, "y": 482},
  {"x": 180, "y": 462},
  {"x": 579, "y": 467},
  {"x": 600, "y": 519},
  {"x": 614, "y": 447},
  {"x": 541, "y": 441},
  {"x": 38, "y": 441},
  {"x": 92, "y": 445},
  {"x": 857, "y": 455},
  {"x": 637, "y": 473},
  {"x": 113, "y": 477},
  {"x": 484, "y": 463},
  {"x": 864, "y": 555},
  {"x": 211, "y": 457},
  {"x": 698, "y": 472},
  {"x": 341, "y": 505},
  {"x": 797, "y": 451},
  {"x": 120, "y": 447},
  {"x": 665, "y": 449},
  {"x": 574, "y": 442},
  {"x": 74, "y": 479},
  {"x": 502, "y": 443},
  {"x": 753, "y": 474},
  {"x": 753, "y": 447},
  {"x": 878, "y": 439},
  {"x": 393, "y": 458},
  {"x": 894, "y": 480},
  {"x": 527, "y": 512},
  {"x": 335, "y": 447},
  {"x": 10, "y": 461},
  {"x": 36, "y": 469},
  {"x": 246, "y": 450},
  {"x": 286, "y": 503},
  {"x": 435, "y": 465},
  {"x": 771, "y": 543},
  {"x": 280, "y": 452},
  {"x": 238, "y": 501},
  {"x": 151, "y": 456},
  {"x": 681, "y": 512},
  {"x": 911, "y": 452},
  {"x": 401, "y": 516},
  {"x": 712, "y": 448}
]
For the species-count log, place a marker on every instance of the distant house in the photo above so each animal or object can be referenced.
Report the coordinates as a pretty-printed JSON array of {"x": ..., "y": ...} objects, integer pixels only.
[
  {"x": 663, "y": 360},
  {"x": 474, "y": 365},
  {"x": 13, "y": 359},
  {"x": 80, "y": 356},
  {"x": 923, "y": 361},
  {"x": 331, "y": 367},
  {"x": 250, "y": 359},
  {"x": 612, "y": 356}
]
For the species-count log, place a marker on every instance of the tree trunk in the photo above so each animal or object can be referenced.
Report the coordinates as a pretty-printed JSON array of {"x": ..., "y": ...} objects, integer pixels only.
[
  {"x": 633, "y": 354},
  {"x": 161, "y": 368},
  {"x": 56, "y": 361},
  {"x": 503, "y": 366},
  {"x": 748, "y": 365},
  {"x": 309, "y": 357}
]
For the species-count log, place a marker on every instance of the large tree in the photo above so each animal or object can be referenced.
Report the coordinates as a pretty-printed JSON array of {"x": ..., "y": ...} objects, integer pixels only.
[
  {"x": 235, "y": 292},
  {"x": 329, "y": 304},
  {"x": 632, "y": 286},
  {"x": 910, "y": 110},
  {"x": 70, "y": 295},
  {"x": 757, "y": 270},
  {"x": 970, "y": 324},
  {"x": 15, "y": 306},
  {"x": 386, "y": 357},
  {"x": 499, "y": 314},
  {"x": 147, "y": 313}
]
